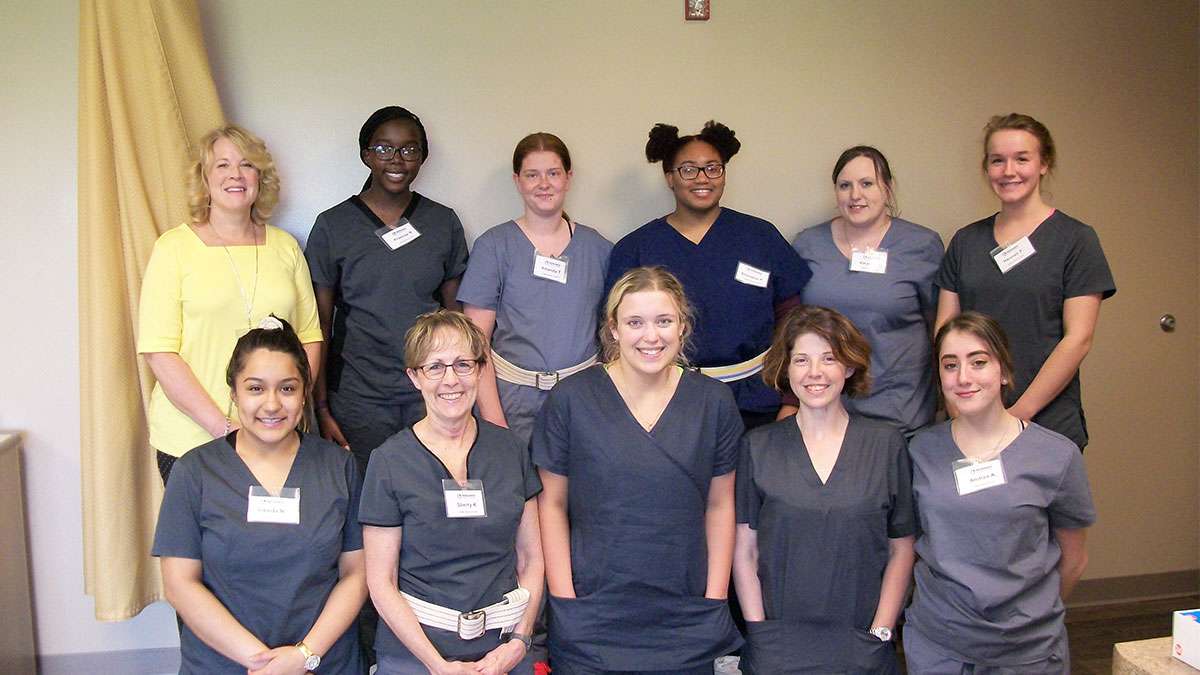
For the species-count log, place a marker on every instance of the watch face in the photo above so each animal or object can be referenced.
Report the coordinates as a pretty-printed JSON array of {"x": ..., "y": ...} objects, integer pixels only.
[
  {"x": 883, "y": 633},
  {"x": 312, "y": 663}
]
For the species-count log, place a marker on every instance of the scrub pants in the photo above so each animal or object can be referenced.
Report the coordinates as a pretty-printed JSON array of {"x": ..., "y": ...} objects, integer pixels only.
[
  {"x": 407, "y": 664},
  {"x": 564, "y": 668},
  {"x": 923, "y": 657}
]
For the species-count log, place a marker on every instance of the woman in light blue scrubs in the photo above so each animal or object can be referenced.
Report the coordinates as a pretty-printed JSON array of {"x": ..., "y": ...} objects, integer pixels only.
[
  {"x": 1003, "y": 506},
  {"x": 877, "y": 269}
]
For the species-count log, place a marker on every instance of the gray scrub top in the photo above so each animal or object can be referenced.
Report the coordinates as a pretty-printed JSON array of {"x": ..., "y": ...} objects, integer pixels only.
[
  {"x": 894, "y": 311},
  {"x": 822, "y": 547},
  {"x": 1028, "y": 300},
  {"x": 380, "y": 292},
  {"x": 460, "y": 563},
  {"x": 987, "y": 576},
  {"x": 637, "y": 505},
  {"x": 541, "y": 325},
  {"x": 273, "y": 578}
]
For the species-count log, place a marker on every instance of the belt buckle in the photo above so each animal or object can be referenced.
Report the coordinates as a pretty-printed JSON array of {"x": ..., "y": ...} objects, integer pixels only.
[
  {"x": 549, "y": 375},
  {"x": 472, "y": 616}
]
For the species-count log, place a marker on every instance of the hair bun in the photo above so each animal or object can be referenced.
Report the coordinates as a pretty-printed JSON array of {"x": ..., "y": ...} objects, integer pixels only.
[
  {"x": 721, "y": 137},
  {"x": 663, "y": 138}
]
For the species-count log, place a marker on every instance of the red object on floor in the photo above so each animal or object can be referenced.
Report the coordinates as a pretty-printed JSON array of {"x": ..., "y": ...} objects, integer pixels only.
[{"x": 541, "y": 668}]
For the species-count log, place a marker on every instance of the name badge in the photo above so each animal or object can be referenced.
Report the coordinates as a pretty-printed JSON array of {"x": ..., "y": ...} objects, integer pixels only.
[
  {"x": 748, "y": 274},
  {"x": 395, "y": 237},
  {"x": 464, "y": 500},
  {"x": 550, "y": 267},
  {"x": 972, "y": 476},
  {"x": 871, "y": 260},
  {"x": 1008, "y": 257},
  {"x": 264, "y": 507}
]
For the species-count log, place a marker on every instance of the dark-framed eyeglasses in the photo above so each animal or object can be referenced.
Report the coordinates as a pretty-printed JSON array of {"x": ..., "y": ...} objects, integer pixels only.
[
  {"x": 437, "y": 369},
  {"x": 384, "y": 152},
  {"x": 690, "y": 171}
]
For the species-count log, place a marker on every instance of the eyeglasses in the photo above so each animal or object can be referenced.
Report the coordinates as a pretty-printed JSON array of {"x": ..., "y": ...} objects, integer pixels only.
[
  {"x": 437, "y": 369},
  {"x": 691, "y": 171},
  {"x": 410, "y": 153}
]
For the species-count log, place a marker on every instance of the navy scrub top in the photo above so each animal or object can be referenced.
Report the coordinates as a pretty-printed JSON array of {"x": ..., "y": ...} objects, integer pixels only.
[
  {"x": 273, "y": 578},
  {"x": 460, "y": 563},
  {"x": 734, "y": 320},
  {"x": 637, "y": 501}
]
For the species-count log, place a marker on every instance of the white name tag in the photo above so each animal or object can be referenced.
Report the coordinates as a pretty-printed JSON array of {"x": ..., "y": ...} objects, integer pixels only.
[
  {"x": 264, "y": 507},
  {"x": 748, "y": 274},
  {"x": 1012, "y": 255},
  {"x": 872, "y": 260},
  {"x": 550, "y": 267},
  {"x": 464, "y": 500},
  {"x": 395, "y": 237},
  {"x": 975, "y": 476}
]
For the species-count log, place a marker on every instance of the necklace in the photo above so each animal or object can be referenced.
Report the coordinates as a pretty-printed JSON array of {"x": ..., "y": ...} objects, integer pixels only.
[
  {"x": 996, "y": 449},
  {"x": 247, "y": 301}
]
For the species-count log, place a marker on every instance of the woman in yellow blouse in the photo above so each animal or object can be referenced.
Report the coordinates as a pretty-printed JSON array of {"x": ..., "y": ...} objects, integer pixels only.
[{"x": 210, "y": 281}]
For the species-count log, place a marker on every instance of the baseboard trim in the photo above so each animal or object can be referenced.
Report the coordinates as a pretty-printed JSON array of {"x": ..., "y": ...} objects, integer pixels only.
[
  {"x": 158, "y": 661},
  {"x": 1135, "y": 587}
]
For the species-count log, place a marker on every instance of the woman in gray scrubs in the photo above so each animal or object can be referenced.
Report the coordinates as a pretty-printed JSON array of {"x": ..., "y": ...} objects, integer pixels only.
[
  {"x": 824, "y": 551},
  {"x": 1004, "y": 509},
  {"x": 454, "y": 563},
  {"x": 534, "y": 287},
  {"x": 258, "y": 531},
  {"x": 877, "y": 270}
]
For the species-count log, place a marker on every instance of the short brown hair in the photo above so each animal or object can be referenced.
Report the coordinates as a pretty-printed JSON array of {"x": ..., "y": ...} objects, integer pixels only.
[
  {"x": 253, "y": 149},
  {"x": 1022, "y": 122},
  {"x": 428, "y": 332},
  {"x": 849, "y": 347},
  {"x": 636, "y": 280},
  {"x": 986, "y": 329}
]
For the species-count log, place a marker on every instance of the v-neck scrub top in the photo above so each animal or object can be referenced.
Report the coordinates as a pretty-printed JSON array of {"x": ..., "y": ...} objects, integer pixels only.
[
  {"x": 460, "y": 563},
  {"x": 380, "y": 292},
  {"x": 1028, "y": 300},
  {"x": 987, "y": 569},
  {"x": 734, "y": 320},
  {"x": 637, "y": 501},
  {"x": 273, "y": 578},
  {"x": 894, "y": 311},
  {"x": 541, "y": 325},
  {"x": 822, "y": 547}
]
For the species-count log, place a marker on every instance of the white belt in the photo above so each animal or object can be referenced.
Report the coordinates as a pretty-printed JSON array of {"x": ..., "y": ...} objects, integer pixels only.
[
  {"x": 738, "y": 371},
  {"x": 544, "y": 381},
  {"x": 469, "y": 625}
]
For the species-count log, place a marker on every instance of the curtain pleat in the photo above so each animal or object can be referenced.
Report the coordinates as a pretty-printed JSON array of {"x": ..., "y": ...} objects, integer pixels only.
[{"x": 146, "y": 96}]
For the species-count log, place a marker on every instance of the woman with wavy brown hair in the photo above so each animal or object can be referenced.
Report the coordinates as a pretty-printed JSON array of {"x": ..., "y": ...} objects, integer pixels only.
[{"x": 211, "y": 280}]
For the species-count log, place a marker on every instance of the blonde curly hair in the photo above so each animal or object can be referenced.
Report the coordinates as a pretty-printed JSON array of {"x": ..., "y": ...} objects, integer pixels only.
[{"x": 254, "y": 150}]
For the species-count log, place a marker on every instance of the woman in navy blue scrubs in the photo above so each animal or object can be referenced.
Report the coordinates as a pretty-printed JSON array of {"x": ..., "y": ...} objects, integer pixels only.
[{"x": 738, "y": 271}]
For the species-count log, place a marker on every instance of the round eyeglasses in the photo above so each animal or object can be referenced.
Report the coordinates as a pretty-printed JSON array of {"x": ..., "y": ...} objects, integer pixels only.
[
  {"x": 437, "y": 369},
  {"x": 690, "y": 171},
  {"x": 384, "y": 152}
]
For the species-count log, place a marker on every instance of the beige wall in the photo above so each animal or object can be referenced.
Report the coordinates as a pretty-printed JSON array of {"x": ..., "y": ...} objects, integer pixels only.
[{"x": 798, "y": 81}]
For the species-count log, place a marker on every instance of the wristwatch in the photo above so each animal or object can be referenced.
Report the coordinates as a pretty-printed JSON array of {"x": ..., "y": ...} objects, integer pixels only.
[
  {"x": 525, "y": 640},
  {"x": 311, "y": 661},
  {"x": 883, "y": 633}
]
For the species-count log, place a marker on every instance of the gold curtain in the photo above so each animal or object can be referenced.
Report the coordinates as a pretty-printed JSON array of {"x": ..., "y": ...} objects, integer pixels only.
[{"x": 146, "y": 96}]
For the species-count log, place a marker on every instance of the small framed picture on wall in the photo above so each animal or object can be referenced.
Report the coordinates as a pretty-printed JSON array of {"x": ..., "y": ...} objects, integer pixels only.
[{"x": 696, "y": 10}]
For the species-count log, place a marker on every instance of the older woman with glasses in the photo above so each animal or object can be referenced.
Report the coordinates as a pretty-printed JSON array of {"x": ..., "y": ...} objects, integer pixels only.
[{"x": 454, "y": 562}]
